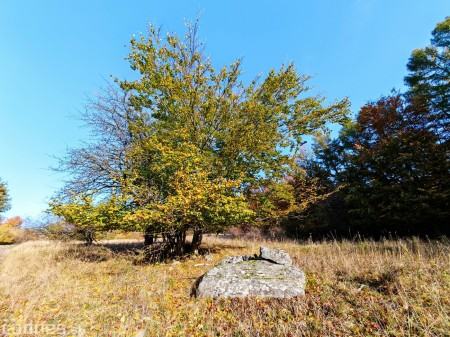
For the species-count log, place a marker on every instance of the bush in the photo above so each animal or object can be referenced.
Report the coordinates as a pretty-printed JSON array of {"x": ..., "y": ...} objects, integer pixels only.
[
  {"x": 59, "y": 230},
  {"x": 7, "y": 235},
  {"x": 9, "y": 231}
]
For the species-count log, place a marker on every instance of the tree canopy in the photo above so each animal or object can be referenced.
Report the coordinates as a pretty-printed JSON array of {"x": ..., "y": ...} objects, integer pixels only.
[
  {"x": 240, "y": 129},
  {"x": 186, "y": 145}
]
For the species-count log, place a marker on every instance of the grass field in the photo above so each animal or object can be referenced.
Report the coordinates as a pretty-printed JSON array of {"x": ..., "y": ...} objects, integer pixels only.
[{"x": 389, "y": 288}]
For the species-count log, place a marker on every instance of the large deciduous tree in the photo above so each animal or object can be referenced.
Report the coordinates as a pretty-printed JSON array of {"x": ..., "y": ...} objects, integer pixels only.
[
  {"x": 184, "y": 142},
  {"x": 397, "y": 175},
  {"x": 246, "y": 133}
]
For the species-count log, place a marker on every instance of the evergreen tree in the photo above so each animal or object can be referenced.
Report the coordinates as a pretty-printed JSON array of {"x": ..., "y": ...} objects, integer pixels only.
[{"x": 428, "y": 79}]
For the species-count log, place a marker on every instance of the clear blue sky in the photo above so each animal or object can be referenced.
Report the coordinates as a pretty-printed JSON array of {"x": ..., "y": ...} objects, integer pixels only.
[{"x": 53, "y": 53}]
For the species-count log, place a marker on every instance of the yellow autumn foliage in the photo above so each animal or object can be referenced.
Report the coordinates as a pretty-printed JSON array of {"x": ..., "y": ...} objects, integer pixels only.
[{"x": 9, "y": 230}]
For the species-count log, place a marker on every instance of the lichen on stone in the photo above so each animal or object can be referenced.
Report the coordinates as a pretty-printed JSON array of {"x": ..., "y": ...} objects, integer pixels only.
[{"x": 268, "y": 275}]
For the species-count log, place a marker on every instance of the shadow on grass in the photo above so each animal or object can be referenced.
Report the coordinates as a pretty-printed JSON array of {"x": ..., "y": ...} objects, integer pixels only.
[
  {"x": 125, "y": 248},
  {"x": 101, "y": 251},
  {"x": 137, "y": 252}
]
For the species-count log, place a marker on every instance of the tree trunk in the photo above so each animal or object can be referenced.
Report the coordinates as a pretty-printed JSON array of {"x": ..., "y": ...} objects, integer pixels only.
[
  {"x": 196, "y": 239},
  {"x": 180, "y": 242},
  {"x": 89, "y": 237},
  {"x": 148, "y": 238}
]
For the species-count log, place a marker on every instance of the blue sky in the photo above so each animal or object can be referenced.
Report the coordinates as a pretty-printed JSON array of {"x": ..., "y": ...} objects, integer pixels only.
[{"x": 54, "y": 53}]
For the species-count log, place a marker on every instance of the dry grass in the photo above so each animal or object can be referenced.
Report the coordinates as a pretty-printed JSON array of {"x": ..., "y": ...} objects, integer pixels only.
[{"x": 391, "y": 288}]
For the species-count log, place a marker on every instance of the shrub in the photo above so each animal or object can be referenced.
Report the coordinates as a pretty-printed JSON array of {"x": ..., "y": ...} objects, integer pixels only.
[
  {"x": 59, "y": 230},
  {"x": 9, "y": 230}
]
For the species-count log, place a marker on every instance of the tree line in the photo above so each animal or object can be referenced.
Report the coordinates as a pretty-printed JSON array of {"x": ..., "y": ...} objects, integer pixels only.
[
  {"x": 388, "y": 170},
  {"x": 187, "y": 149}
]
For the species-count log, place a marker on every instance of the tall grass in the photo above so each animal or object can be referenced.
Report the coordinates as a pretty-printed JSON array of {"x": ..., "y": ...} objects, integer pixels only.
[{"x": 366, "y": 288}]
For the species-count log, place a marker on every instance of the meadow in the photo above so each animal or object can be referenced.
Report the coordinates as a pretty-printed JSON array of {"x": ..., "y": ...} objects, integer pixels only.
[{"x": 362, "y": 288}]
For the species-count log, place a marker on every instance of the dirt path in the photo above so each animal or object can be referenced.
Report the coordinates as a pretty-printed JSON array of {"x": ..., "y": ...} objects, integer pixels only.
[{"x": 4, "y": 249}]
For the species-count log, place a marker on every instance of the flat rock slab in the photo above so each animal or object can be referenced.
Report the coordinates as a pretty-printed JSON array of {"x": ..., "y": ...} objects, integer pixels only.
[
  {"x": 275, "y": 255},
  {"x": 255, "y": 277}
]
